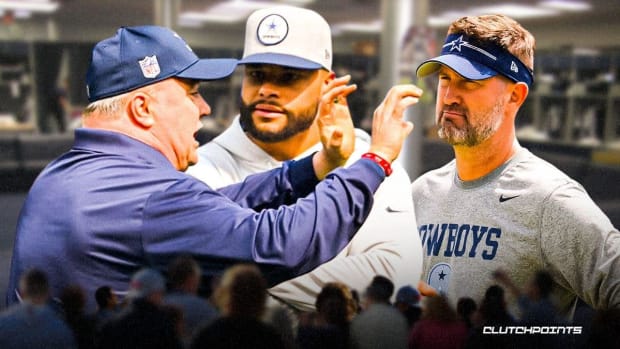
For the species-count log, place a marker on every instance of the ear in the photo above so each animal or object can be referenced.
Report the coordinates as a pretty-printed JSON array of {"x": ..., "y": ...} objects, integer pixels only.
[
  {"x": 140, "y": 110},
  {"x": 520, "y": 91},
  {"x": 329, "y": 76}
]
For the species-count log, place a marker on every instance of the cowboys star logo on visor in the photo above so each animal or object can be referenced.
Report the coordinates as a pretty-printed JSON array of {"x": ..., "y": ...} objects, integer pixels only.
[{"x": 477, "y": 60}]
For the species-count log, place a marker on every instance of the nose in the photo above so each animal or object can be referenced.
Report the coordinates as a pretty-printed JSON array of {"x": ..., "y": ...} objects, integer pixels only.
[
  {"x": 450, "y": 94},
  {"x": 268, "y": 90},
  {"x": 203, "y": 107}
]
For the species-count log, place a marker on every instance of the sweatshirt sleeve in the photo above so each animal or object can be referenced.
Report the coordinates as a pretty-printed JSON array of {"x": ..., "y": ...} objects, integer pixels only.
[
  {"x": 581, "y": 246},
  {"x": 288, "y": 240}
]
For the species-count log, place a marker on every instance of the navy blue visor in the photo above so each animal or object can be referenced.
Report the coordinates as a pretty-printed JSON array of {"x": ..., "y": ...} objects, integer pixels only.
[{"x": 476, "y": 62}]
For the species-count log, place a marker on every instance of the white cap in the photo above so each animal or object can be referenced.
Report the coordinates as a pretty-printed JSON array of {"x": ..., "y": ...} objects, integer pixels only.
[{"x": 288, "y": 36}]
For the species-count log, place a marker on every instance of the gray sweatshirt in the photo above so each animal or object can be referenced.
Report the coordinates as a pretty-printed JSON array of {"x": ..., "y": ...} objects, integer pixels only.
[{"x": 524, "y": 216}]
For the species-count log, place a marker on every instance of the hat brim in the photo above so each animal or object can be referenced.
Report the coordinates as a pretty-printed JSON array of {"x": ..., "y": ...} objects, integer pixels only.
[
  {"x": 281, "y": 59},
  {"x": 468, "y": 69},
  {"x": 209, "y": 69}
]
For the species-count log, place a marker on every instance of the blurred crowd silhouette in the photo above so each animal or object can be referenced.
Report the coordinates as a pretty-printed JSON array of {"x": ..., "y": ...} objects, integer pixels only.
[{"x": 171, "y": 310}]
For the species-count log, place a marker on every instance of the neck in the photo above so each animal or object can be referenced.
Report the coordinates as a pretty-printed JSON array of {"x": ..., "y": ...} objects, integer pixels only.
[
  {"x": 118, "y": 125},
  {"x": 124, "y": 126},
  {"x": 478, "y": 161},
  {"x": 292, "y": 147}
]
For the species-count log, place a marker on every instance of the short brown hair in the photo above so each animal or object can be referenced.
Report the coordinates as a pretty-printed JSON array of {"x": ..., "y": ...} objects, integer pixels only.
[{"x": 500, "y": 30}]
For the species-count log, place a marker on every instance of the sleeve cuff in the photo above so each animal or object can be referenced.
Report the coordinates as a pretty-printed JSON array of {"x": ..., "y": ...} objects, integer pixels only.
[
  {"x": 375, "y": 166},
  {"x": 301, "y": 174}
]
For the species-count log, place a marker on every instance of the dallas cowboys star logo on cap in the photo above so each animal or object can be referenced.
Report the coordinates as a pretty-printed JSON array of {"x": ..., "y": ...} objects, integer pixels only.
[{"x": 272, "y": 30}]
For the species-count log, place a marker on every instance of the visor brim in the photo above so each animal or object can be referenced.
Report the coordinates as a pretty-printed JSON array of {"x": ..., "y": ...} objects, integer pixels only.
[{"x": 468, "y": 69}]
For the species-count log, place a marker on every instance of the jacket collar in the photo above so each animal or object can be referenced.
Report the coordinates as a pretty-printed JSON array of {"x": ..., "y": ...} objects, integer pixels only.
[{"x": 111, "y": 142}]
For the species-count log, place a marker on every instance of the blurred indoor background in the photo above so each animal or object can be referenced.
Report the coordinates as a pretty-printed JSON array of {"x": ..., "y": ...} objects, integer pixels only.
[{"x": 571, "y": 118}]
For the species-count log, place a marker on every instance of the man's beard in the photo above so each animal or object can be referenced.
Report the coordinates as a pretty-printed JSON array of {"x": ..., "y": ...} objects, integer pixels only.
[
  {"x": 471, "y": 135},
  {"x": 295, "y": 124}
]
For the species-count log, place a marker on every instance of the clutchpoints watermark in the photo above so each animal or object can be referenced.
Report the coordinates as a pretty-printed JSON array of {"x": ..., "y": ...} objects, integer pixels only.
[{"x": 501, "y": 330}]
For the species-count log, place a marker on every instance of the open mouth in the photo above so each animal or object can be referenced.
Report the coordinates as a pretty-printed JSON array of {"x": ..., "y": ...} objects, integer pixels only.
[{"x": 202, "y": 136}]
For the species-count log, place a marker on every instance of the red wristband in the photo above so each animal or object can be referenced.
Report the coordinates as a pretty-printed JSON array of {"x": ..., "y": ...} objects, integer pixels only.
[{"x": 385, "y": 165}]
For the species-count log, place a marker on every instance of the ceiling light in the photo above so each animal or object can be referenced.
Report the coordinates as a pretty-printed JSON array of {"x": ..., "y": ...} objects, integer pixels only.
[
  {"x": 565, "y": 5},
  {"x": 23, "y": 5},
  {"x": 22, "y": 14},
  {"x": 233, "y": 11},
  {"x": 298, "y": 2},
  {"x": 357, "y": 27},
  {"x": 515, "y": 10},
  {"x": 193, "y": 17}
]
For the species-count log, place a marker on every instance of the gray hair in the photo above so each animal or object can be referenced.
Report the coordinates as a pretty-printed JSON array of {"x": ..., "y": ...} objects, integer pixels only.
[{"x": 110, "y": 106}]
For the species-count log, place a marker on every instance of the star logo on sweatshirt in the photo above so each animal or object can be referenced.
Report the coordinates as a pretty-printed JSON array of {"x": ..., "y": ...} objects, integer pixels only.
[{"x": 439, "y": 277}]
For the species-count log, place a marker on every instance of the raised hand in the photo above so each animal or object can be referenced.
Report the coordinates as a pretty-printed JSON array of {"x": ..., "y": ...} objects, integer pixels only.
[
  {"x": 389, "y": 129},
  {"x": 335, "y": 126}
]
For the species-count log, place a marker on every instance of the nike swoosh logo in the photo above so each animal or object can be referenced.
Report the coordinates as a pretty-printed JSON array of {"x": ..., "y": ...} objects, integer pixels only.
[{"x": 503, "y": 198}]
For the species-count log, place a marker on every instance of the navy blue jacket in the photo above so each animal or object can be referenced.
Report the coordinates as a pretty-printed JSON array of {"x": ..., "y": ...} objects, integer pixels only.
[{"x": 112, "y": 205}]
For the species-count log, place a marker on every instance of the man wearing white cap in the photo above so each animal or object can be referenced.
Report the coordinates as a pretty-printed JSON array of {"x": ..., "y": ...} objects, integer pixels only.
[
  {"x": 287, "y": 58},
  {"x": 497, "y": 205}
]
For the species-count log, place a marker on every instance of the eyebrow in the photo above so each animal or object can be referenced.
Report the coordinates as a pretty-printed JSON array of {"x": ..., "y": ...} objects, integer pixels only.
[{"x": 189, "y": 84}]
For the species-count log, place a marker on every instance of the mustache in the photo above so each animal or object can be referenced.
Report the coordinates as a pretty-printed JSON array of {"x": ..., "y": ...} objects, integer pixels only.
[{"x": 454, "y": 108}]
